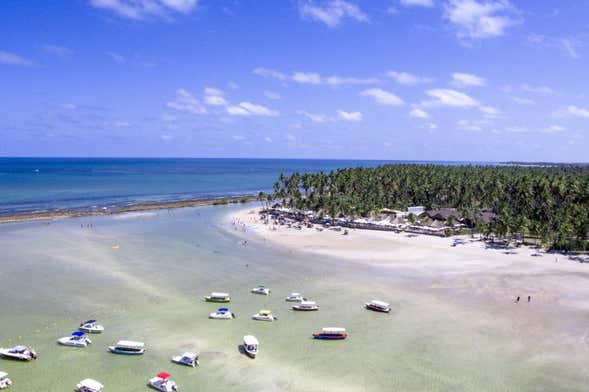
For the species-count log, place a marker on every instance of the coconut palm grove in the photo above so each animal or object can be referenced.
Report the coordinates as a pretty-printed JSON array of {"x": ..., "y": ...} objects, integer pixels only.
[{"x": 547, "y": 204}]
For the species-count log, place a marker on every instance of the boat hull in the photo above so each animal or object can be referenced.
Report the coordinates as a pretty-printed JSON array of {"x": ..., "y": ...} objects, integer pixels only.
[
  {"x": 250, "y": 354},
  {"x": 298, "y": 309},
  {"x": 329, "y": 337},
  {"x": 114, "y": 350},
  {"x": 217, "y": 300},
  {"x": 377, "y": 309}
]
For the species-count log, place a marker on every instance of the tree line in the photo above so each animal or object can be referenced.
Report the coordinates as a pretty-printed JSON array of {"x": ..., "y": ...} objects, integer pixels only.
[{"x": 550, "y": 203}]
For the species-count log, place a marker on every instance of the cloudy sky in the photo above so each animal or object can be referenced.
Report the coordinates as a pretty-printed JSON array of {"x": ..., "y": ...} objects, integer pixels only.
[{"x": 483, "y": 80}]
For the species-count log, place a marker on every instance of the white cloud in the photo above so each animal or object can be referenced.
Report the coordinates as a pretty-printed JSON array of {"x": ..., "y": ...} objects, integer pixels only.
[
  {"x": 332, "y": 13},
  {"x": 489, "y": 111},
  {"x": 538, "y": 89},
  {"x": 69, "y": 106},
  {"x": 214, "y": 97},
  {"x": 478, "y": 20},
  {"x": 56, "y": 50},
  {"x": 572, "y": 111},
  {"x": 271, "y": 95},
  {"x": 420, "y": 3},
  {"x": 308, "y": 78},
  {"x": 289, "y": 137},
  {"x": 166, "y": 137},
  {"x": 407, "y": 78},
  {"x": 239, "y": 138},
  {"x": 383, "y": 97},
  {"x": 450, "y": 98},
  {"x": 141, "y": 9},
  {"x": 338, "y": 81},
  {"x": 250, "y": 109},
  {"x": 554, "y": 129},
  {"x": 269, "y": 73},
  {"x": 349, "y": 116},
  {"x": 117, "y": 57},
  {"x": 461, "y": 79},
  {"x": 523, "y": 101},
  {"x": 8, "y": 58},
  {"x": 186, "y": 102},
  {"x": 467, "y": 125},
  {"x": 318, "y": 118},
  {"x": 516, "y": 129},
  {"x": 567, "y": 45},
  {"x": 121, "y": 124},
  {"x": 418, "y": 113},
  {"x": 268, "y": 139}
]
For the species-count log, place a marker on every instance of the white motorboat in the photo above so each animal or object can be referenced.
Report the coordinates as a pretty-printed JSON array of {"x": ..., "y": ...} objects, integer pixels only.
[
  {"x": 5, "y": 382},
  {"x": 295, "y": 297},
  {"x": 306, "y": 306},
  {"x": 218, "y": 297},
  {"x": 222, "y": 314},
  {"x": 250, "y": 345},
  {"x": 127, "y": 347},
  {"x": 78, "y": 339},
  {"x": 261, "y": 289},
  {"x": 264, "y": 315},
  {"x": 378, "y": 306},
  {"x": 21, "y": 353},
  {"x": 89, "y": 385},
  {"x": 90, "y": 326},
  {"x": 188, "y": 359},
  {"x": 163, "y": 383}
]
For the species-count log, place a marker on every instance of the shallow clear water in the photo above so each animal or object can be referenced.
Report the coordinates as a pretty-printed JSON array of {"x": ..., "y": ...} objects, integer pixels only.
[{"x": 150, "y": 289}]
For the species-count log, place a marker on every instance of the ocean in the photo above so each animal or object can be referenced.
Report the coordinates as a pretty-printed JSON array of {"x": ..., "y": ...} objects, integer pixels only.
[{"x": 44, "y": 184}]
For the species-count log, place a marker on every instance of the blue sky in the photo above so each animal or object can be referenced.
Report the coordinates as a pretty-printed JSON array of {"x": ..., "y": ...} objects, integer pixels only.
[{"x": 384, "y": 79}]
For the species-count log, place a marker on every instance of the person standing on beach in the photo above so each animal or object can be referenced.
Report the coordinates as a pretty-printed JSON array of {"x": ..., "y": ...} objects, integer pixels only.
[
  {"x": 529, "y": 298},
  {"x": 517, "y": 299}
]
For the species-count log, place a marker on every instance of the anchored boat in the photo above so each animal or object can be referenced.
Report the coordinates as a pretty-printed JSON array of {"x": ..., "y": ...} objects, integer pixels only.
[
  {"x": 261, "y": 289},
  {"x": 188, "y": 359},
  {"x": 218, "y": 297},
  {"x": 21, "y": 353},
  {"x": 295, "y": 297},
  {"x": 222, "y": 314},
  {"x": 306, "y": 306},
  {"x": 331, "y": 333},
  {"x": 264, "y": 315},
  {"x": 163, "y": 383},
  {"x": 5, "y": 382},
  {"x": 250, "y": 346},
  {"x": 89, "y": 385},
  {"x": 378, "y": 306},
  {"x": 90, "y": 326},
  {"x": 127, "y": 347},
  {"x": 78, "y": 339}
]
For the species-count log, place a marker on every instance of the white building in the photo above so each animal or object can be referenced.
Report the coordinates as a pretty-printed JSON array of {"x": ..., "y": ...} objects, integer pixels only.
[{"x": 416, "y": 210}]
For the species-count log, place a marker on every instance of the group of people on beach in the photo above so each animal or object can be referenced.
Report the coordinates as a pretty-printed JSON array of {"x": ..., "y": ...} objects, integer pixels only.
[{"x": 518, "y": 298}]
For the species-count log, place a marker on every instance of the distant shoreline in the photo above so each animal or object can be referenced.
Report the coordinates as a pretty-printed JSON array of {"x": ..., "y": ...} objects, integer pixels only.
[{"x": 65, "y": 214}]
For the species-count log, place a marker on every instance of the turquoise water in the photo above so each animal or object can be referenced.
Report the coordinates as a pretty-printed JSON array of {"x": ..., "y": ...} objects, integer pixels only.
[{"x": 40, "y": 184}]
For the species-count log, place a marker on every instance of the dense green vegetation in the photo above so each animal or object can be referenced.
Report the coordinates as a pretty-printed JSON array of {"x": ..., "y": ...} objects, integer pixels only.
[{"x": 550, "y": 203}]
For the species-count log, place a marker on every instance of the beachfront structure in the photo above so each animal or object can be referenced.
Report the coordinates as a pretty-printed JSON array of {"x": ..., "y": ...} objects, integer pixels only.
[{"x": 416, "y": 210}]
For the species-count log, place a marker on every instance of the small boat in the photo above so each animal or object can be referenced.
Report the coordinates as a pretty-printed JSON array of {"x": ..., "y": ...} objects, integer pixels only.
[
  {"x": 378, "y": 306},
  {"x": 162, "y": 383},
  {"x": 306, "y": 306},
  {"x": 89, "y": 385},
  {"x": 264, "y": 315},
  {"x": 21, "y": 353},
  {"x": 218, "y": 297},
  {"x": 222, "y": 314},
  {"x": 5, "y": 382},
  {"x": 250, "y": 345},
  {"x": 331, "y": 333},
  {"x": 261, "y": 289},
  {"x": 78, "y": 339},
  {"x": 90, "y": 326},
  {"x": 295, "y": 297},
  {"x": 127, "y": 347},
  {"x": 188, "y": 359}
]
